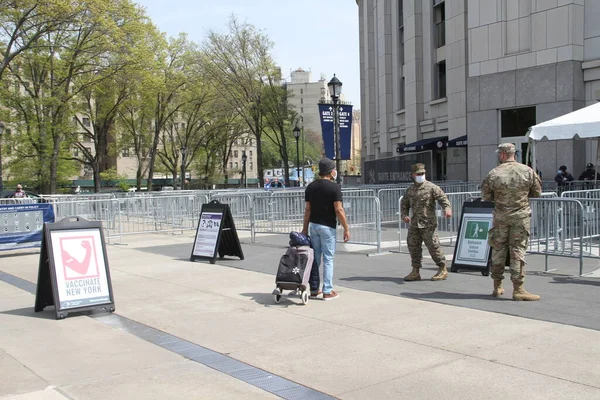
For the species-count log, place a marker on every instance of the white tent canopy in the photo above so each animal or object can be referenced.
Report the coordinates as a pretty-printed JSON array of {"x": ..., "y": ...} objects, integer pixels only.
[{"x": 581, "y": 124}]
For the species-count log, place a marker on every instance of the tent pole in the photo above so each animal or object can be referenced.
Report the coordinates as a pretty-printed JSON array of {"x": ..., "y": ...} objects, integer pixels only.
[{"x": 533, "y": 156}]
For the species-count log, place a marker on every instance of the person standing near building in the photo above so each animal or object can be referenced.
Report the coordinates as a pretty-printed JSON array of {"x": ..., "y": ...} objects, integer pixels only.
[
  {"x": 562, "y": 177},
  {"x": 421, "y": 198},
  {"x": 588, "y": 174},
  {"x": 323, "y": 203},
  {"x": 510, "y": 186}
]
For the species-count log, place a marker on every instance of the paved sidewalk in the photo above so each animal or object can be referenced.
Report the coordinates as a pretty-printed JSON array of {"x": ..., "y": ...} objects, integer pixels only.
[{"x": 365, "y": 344}]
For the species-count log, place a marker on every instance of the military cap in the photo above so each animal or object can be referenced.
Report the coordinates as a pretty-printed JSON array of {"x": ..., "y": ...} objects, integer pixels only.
[
  {"x": 508, "y": 148},
  {"x": 418, "y": 168}
]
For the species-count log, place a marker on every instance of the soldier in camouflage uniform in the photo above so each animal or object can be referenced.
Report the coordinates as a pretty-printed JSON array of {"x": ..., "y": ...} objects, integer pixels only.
[
  {"x": 509, "y": 186},
  {"x": 421, "y": 198}
]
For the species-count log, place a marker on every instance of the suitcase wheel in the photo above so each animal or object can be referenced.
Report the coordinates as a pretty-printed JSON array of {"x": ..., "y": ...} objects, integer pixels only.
[
  {"x": 277, "y": 295},
  {"x": 304, "y": 297}
]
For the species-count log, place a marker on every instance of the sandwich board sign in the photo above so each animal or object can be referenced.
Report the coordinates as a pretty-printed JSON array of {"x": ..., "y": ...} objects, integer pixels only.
[
  {"x": 73, "y": 273},
  {"x": 472, "y": 250},
  {"x": 216, "y": 234}
]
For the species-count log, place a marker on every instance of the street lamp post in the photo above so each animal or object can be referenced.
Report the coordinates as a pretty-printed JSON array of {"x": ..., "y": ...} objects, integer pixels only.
[
  {"x": 1, "y": 132},
  {"x": 335, "y": 89},
  {"x": 297, "y": 136},
  {"x": 183, "y": 151},
  {"x": 244, "y": 158}
]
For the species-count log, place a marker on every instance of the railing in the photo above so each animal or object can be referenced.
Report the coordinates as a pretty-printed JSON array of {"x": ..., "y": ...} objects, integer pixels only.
[{"x": 558, "y": 228}]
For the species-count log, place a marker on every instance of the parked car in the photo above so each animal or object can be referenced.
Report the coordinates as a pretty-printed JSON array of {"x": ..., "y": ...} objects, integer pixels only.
[{"x": 31, "y": 197}]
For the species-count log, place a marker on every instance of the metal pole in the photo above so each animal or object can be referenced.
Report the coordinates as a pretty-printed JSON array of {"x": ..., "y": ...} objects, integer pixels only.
[
  {"x": 303, "y": 157},
  {"x": 298, "y": 161},
  {"x": 336, "y": 138},
  {"x": 182, "y": 171}
]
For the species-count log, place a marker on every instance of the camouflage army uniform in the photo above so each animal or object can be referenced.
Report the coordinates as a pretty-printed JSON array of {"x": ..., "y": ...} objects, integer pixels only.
[
  {"x": 421, "y": 198},
  {"x": 509, "y": 186}
]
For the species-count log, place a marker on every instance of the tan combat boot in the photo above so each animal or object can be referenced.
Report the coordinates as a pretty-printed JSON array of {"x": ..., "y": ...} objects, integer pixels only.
[
  {"x": 441, "y": 274},
  {"x": 498, "y": 290},
  {"x": 413, "y": 276},
  {"x": 520, "y": 294}
]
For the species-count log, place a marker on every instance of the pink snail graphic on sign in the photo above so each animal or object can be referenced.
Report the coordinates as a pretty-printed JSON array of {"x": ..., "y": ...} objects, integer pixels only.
[{"x": 79, "y": 257}]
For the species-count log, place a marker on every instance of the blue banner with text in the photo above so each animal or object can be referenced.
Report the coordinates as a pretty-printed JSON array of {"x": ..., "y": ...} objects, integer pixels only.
[
  {"x": 326, "y": 113},
  {"x": 21, "y": 225}
]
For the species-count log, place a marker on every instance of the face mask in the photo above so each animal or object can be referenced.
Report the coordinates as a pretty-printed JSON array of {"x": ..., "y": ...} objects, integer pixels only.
[
  {"x": 560, "y": 172},
  {"x": 420, "y": 178},
  {"x": 334, "y": 175}
]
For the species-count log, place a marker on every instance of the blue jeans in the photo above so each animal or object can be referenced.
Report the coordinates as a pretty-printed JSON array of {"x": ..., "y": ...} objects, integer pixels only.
[{"x": 323, "y": 242}]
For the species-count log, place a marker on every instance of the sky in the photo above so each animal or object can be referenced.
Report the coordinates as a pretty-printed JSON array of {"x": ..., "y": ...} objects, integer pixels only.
[{"x": 316, "y": 35}]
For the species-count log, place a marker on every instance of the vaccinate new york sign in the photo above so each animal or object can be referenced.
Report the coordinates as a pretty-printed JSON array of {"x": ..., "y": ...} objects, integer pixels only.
[{"x": 326, "y": 113}]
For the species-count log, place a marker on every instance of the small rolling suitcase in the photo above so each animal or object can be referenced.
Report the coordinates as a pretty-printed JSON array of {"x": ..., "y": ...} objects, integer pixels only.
[{"x": 294, "y": 268}]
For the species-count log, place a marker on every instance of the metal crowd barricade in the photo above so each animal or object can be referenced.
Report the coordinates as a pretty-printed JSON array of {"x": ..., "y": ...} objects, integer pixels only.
[
  {"x": 558, "y": 228},
  {"x": 363, "y": 214},
  {"x": 242, "y": 210},
  {"x": 105, "y": 210},
  {"x": 388, "y": 199},
  {"x": 581, "y": 194}
]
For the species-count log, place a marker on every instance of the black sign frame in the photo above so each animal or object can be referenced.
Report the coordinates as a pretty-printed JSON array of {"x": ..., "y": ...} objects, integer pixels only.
[
  {"x": 227, "y": 242},
  {"x": 47, "y": 293},
  {"x": 476, "y": 206}
]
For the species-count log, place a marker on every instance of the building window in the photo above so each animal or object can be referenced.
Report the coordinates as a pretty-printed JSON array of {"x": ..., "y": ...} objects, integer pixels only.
[
  {"x": 301, "y": 100},
  {"x": 301, "y": 91},
  {"x": 251, "y": 165},
  {"x": 439, "y": 19},
  {"x": 516, "y": 121},
  {"x": 236, "y": 165},
  {"x": 301, "y": 110},
  {"x": 440, "y": 83},
  {"x": 86, "y": 122},
  {"x": 401, "y": 94},
  {"x": 250, "y": 153},
  {"x": 250, "y": 142},
  {"x": 401, "y": 82},
  {"x": 125, "y": 153},
  {"x": 230, "y": 165},
  {"x": 235, "y": 154}
]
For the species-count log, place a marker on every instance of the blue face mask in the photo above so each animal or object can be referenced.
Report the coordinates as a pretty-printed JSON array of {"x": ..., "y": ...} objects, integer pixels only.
[{"x": 559, "y": 171}]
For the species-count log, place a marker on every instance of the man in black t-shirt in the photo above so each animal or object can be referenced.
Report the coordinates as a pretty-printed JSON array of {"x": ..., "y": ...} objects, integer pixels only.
[{"x": 323, "y": 204}]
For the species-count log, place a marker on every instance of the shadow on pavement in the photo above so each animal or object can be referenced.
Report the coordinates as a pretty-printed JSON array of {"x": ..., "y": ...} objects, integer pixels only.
[
  {"x": 453, "y": 296},
  {"x": 267, "y": 299},
  {"x": 577, "y": 281},
  {"x": 399, "y": 281},
  {"x": 28, "y": 312}
]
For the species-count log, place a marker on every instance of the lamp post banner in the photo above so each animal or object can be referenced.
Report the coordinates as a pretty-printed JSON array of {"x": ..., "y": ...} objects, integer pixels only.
[{"x": 326, "y": 113}]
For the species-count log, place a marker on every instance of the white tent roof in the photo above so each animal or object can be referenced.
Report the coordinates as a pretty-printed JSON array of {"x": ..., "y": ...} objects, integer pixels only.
[{"x": 580, "y": 124}]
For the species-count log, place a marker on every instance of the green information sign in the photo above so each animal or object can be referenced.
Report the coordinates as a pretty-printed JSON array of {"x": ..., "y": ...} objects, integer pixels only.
[
  {"x": 472, "y": 251},
  {"x": 477, "y": 230}
]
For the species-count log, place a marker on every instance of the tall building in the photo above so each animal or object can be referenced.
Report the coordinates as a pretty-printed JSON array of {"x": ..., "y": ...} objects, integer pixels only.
[
  {"x": 438, "y": 75},
  {"x": 305, "y": 97}
]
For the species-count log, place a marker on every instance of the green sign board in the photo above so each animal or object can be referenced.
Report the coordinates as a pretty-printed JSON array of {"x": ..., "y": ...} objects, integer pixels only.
[{"x": 472, "y": 247}]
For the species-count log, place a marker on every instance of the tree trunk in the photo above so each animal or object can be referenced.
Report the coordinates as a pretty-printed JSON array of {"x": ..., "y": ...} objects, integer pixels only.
[{"x": 97, "y": 181}]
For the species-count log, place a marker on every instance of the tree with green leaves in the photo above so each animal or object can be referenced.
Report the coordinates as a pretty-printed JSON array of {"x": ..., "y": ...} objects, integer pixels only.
[{"x": 240, "y": 62}]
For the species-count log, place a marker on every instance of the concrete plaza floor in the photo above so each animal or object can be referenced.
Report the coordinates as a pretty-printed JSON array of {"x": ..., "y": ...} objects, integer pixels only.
[{"x": 383, "y": 338}]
